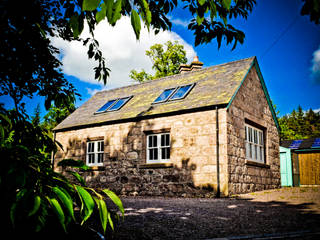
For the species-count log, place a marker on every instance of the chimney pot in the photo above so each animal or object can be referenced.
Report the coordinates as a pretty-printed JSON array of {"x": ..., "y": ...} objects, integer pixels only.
[{"x": 196, "y": 64}]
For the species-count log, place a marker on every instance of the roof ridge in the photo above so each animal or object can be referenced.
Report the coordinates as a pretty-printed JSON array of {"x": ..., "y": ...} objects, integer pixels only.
[{"x": 174, "y": 75}]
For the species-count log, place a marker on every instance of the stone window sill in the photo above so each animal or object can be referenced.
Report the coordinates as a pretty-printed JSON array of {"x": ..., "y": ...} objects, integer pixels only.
[
  {"x": 96, "y": 168},
  {"x": 156, "y": 165},
  {"x": 256, "y": 164}
]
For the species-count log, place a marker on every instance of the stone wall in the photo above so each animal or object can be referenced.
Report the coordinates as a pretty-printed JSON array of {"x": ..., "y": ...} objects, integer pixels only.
[
  {"x": 192, "y": 170},
  {"x": 250, "y": 104}
]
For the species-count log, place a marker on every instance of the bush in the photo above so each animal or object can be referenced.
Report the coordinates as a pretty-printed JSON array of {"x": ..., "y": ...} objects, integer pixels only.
[{"x": 37, "y": 200}]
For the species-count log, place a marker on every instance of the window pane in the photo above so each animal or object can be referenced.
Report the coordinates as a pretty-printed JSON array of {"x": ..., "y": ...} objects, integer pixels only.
[
  {"x": 149, "y": 141},
  {"x": 91, "y": 147},
  {"x": 255, "y": 152},
  {"x": 255, "y": 133},
  {"x": 163, "y": 140},
  {"x": 119, "y": 104},
  {"x": 250, "y": 134},
  {"x": 163, "y": 153},
  {"x": 247, "y": 150},
  {"x": 155, "y": 141},
  {"x": 91, "y": 158},
  {"x": 155, "y": 154},
  {"x": 181, "y": 92},
  {"x": 167, "y": 140},
  {"x": 164, "y": 95},
  {"x": 106, "y": 106},
  {"x": 246, "y": 133},
  {"x": 100, "y": 157},
  {"x": 150, "y": 154}
]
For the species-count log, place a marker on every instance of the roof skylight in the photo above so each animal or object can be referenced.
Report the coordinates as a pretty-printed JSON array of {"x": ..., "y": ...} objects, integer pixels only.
[
  {"x": 164, "y": 95},
  {"x": 181, "y": 92},
  {"x": 113, "y": 105},
  {"x": 172, "y": 94}
]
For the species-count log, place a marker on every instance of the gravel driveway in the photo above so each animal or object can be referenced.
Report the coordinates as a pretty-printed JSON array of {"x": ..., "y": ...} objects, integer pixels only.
[{"x": 268, "y": 212}]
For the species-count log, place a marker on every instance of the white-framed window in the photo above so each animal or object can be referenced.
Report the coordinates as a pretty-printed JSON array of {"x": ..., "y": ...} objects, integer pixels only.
[
  {"x": 255, "y": 150},
  {"x": 158, "y": 148},
  {"x": 95, "y": 151}
]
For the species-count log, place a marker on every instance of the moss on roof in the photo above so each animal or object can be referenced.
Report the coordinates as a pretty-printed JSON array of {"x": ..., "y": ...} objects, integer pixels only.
[{"x": 213, "y": 86}]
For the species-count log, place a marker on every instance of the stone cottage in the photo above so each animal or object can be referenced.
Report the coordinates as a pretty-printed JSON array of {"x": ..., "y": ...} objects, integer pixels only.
[{"x": 210, "y": 129}]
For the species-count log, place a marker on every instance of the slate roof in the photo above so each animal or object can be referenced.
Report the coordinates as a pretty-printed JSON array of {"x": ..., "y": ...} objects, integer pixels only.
[
  {"x": 214, "y": 86},
  {"x": 305, "y": 144}
]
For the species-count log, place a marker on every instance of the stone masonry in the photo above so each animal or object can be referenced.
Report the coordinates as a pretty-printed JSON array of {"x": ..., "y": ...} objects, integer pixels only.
[
  {"x": 250, "y": 104},
  {"x": 192, "y": 170}
]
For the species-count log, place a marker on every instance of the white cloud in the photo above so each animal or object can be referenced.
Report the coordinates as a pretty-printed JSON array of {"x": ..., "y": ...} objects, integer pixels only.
[
  {"x": 180, "y": 22},
  {"x": 315, "y": 69},
  {"x": 93, "y": 91},
  {"x": 120, "y": 48}
]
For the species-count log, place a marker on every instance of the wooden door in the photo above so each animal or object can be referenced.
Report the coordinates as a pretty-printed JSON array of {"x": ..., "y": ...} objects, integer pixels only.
[{"x": 309, "y": 164}]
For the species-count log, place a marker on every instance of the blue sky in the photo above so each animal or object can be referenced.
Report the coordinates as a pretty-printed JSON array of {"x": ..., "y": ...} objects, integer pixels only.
[{"x": 284, "y": 42}]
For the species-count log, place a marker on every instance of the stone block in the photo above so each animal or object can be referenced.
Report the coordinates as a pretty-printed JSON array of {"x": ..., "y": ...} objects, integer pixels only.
[{"x": 132, "y": 155}]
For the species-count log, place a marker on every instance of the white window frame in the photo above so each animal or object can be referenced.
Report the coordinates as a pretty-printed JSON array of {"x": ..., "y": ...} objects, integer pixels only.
[
  {"x": 159, "y": 148},
  {"x": 97, "y": 153},
  {"x": 254, "y": 144}
]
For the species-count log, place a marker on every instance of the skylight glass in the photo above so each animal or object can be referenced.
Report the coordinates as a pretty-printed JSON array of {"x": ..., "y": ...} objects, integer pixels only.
[
  {"x": 164, "y": 95},
  {"x": 316, "y": 143},
  {"x": 119, "y": 104},
  {"x": 295, "y": 144},
  {"x": 181, "y": 92},
  {"x": 113, "y": 105},
  {"x": 106, "y": 106}
]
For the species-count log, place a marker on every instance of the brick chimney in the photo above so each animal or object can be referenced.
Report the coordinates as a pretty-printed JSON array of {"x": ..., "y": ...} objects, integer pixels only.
[
  {"x": 195, "y": 65},
  {"x": 183, "y": 68}
]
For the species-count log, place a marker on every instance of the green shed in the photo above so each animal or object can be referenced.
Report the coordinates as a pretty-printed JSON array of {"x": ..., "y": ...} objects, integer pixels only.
[{"x": 300, "y": 162}]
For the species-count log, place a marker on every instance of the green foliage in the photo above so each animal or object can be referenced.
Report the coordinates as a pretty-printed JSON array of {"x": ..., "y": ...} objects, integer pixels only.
[
  {"x": 37, "y": 199},
  {"x": 166, "y": 62},
  {"x": 311, "y": 8},
  {"x": 56, "y": 115},
  {"x": 300, "y": 125}
]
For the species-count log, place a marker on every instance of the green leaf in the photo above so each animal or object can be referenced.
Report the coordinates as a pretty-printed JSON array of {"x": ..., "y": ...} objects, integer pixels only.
[
  {"x": 117, "y": 6},
  {"x": 201, "y": 2},
  {"x": 58, "y": 211},
  {"x": 115, "y": 199},
  {"x": 109, "y": 9},
  {"x": 148, "y": 15},
  {"x": 110, "y": 221},
  {"x": 102, "y": 13},
  {"x": 65, "y": 200},
  {"x": 75, "y": 26},
  {"x": 90, "y": 5},
  {"x": 103, "y": 212},
  {"x": 78, "y": 177},
  {"x": 199, "y": 20},
  {"x": 87, "y": 203},
  {"x": 36, "y": 205},
  {"x": 135, "y": 22},
  {"x": 226, "y": 4}
]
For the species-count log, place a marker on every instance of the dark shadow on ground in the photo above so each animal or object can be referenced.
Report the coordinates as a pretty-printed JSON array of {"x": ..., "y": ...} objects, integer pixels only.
[{"x": 200, "y": 218}]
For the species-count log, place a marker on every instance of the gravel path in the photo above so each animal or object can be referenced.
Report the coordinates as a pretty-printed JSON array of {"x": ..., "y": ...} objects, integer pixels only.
[{"x": 267, "y": 212}]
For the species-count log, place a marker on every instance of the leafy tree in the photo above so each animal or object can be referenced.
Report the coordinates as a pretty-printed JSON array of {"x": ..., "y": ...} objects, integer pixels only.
[
  {"x": 56, "y": 115},
  {"x": 311, "y": 8},
  {"x": 166, "y": 62},
  {"x": 300, "y": 125}
]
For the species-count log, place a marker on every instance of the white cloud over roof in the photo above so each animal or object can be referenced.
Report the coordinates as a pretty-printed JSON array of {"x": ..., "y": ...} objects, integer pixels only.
[{"x": 120, "y": 48}]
